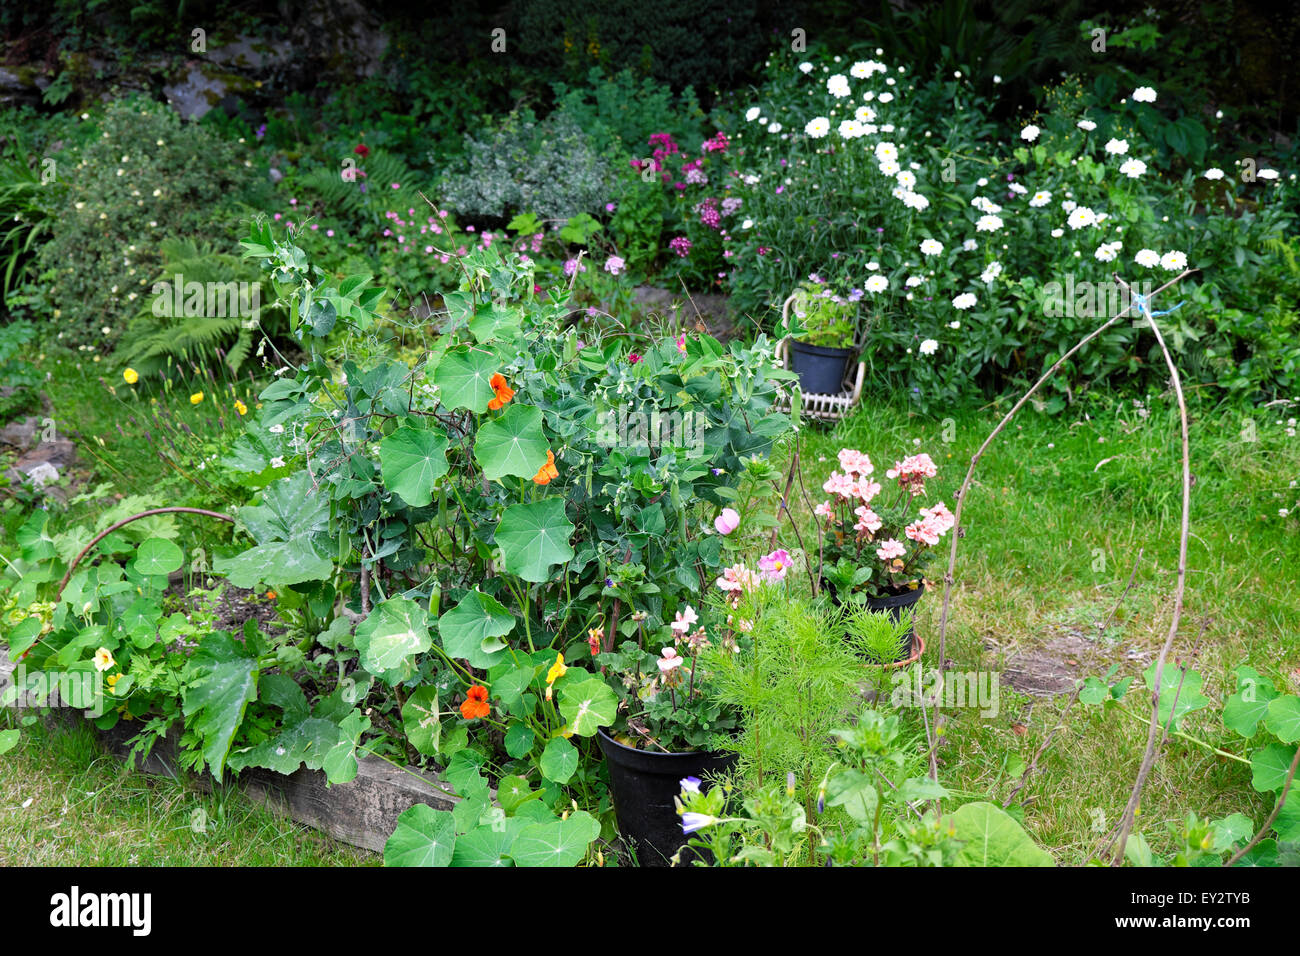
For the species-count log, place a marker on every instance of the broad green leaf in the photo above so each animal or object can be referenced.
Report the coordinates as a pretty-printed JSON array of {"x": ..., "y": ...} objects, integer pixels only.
[
  {"x": 519, "y": 738},
  {"x": 1233, "y": 829},
  {"x": 215, "y": 703},
  {"x": 464, "y": 378},
  {"x": 1284, "y": 718},
  {"x": 513, "y": 444},
  {"x": 1263, "y": 853},
  {"x": 1287, "y": 824},
  {"x": 487, "y": 845},
  {"x": 1246, "y": 708},
  {"x": 394, "y": 632},
  {"x": 412, "y": 460},
  {"x": 158, "y": 556},
  {"x": 513, "y": 792},
  {"x": 291, "y": 528},
  {"x": 1269, "y": 766},
  {"x": 340, "y": 764},
  {"x": 1185, "y": 686},
  {"x": 473, "y": 624},
  {"x": 424, "y": 837},
  {"x": 1137, "y": 851},
  {"x": 421, "y": 720},
  {"x": 588, "y": 705},
  {"x": 1094, "y": 692},
  {"x": 562, "y": 843},
  {"x": 8, "y": 740},
  {"x": 856, "y": 793},
  {"x": 994, "y": 838},
  {"x": 534, "y": 537},
  {"x": 305, "y": 741},
  {"x": 559, "y": 760}
]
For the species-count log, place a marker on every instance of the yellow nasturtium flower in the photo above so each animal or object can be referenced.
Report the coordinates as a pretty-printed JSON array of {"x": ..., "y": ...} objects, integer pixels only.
[
  {"x": 196, "y": 398},
  {"x": 555, "y": 673},
  {"x": 241, "y": 407},
  {"x": 131, "y": 376},
  {"x": 112, "y": 682}
]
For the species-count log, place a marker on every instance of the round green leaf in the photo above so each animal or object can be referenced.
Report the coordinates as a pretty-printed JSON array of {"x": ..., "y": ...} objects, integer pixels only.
[
  {"x": 158, "y": 556},
  {"x": 588, "y": 705},
  {"x": 394, "y": 632},
  {"x": 561, "y": 843},
  {"x": 519, "y": 740},
  {"x": 534, "y": 537},
  {"x": 1269, "y": 767},
  {"x": 8, "y": 740},
  {"x": 513, "y": 444},
  {"x": 424, "y": 837},
  {"x": 1284, "y": 718},
  {"x": 412, "y": 460},
  {"x": 421, "y": 720},
  {"x": 559, "y": 760},
  {"x": 464, "y": 378},
  {"x": 472, "y": 625}
]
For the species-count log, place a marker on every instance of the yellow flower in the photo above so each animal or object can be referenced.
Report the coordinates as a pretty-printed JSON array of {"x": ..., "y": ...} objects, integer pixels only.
[
  {"x": 241, "y": 407},
  {"x": 112, "y": 682},
  {"x": 555, "y": 673},
  {"x": 196, "y": 398},
  {"x": 103, "y": 660},
  {"x": 131, "y": 376}
]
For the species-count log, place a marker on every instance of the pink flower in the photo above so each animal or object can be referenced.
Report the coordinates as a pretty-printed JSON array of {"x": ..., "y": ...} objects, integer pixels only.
[
  {"x": 728, "y": 521},
  {"x": 397, "y": 185},
  {"x": 924, "y": 531},
  {"x": 837, "y": 484},
  {"x": 868, "y": 520},
  {"x": 824, "y": 510},
  {"x": 775, "y": 565},
  {"x": 912, "y": 472},
  {"x": 891, "y": 549},
  {"x": 680, "y": 245},
  {"x": 854, "y": 462},
  {"x": 670, "y": 660},
  {"x": 736, "y": 579},
  {"x": 614, "y": 265},
  {"x": 940, "y": 516},
  {"x": 685, "y": 619},
  {"x": 681, "y": 343},
  {"x": 633, "y": 358},
  {"x": 866, "y": 490}
]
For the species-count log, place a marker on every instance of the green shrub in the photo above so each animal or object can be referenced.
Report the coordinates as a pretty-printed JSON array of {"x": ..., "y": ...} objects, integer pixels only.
[{"x": 148, "y": 177}]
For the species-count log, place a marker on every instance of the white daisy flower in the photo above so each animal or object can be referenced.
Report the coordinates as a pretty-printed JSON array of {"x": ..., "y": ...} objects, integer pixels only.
[
  {"x": 988, "y": 224},
  {"x": 817, "y": 127},
  {"x": 1040, "y": 198},
  {"x": 1030, "y": 133},
  {"x": 876, "y": 284},
  {"x": 1214, "y": 172},
  {"x": 964, "y": 301},
  {"x": 929, "y": 347},
  {"x": 1147, "y": 257},
  {"x": 752, "y": 114},
  {"x": 1080, "y": 217},
  {"x": 1144, "y": 94},
  {"x": 1133, "y": 168},
  {"x": 1117, "y": 147},
  {"x": 1174, "y": 261},
  {"x": 931, "y": 247},
  {"x": 1086, "y": 124}
]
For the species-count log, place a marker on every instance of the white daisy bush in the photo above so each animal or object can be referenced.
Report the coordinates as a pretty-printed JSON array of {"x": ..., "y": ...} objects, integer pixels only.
[{"x": 905, "y": 191}]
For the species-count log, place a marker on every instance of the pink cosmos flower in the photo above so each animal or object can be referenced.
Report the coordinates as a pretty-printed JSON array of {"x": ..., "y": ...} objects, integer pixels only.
[
  {"x": 728, "y": 521},
  {"x": 891, "y": 549},
  {"x": 681, "y": 343},
  {"x": 775, "y": 565}
]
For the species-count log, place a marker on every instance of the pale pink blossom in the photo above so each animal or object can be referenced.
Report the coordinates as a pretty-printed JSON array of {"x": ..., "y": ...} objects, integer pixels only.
[
  {"x": 728, "y": 521},
  {"x": 939, "y": 514},
  {"x": 736, "y": 579},
  {"x": 891, "y": 549},
  {"x": 925, "y": 531},
  {"x": 670, "y": 660},
  {"x": 868, "y": 520},
  {"x": 855, "y": 462},
  {"x": 685, "y": 620},
  {"x": 824, "y": 510}
]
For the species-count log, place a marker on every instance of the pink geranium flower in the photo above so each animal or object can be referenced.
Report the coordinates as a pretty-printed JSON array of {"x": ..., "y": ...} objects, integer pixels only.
[
  {"x": 924, "y": 531},
  {"x": 891, "y": 549},
  {"x": 868, "y": 520}
]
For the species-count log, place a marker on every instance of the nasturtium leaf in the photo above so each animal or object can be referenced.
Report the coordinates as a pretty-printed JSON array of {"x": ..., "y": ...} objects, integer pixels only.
[
  {"x": 1094, "y": 692},
  {"x": 216, "y": 701},
  {"x": 510, "y": 688},
  {"x": 395, "y": 631},
  {"x": 476, "y": 619},
  {"x": 994, "y": 838},
  {"x": 412, "y": 460},
  {"x": 1284, "y": 718},
  {"x": 424, "y": 837},
  {"x": 422, "y": 722},
  {"x": 1287, "y": 824},
  {"x": 1233, "y": 829},
  {"x": 1264, "y": 853},
  {"x": 513, "y": 444},
  {"x": 1269, "y": 766},
  {"x": 1174, "y": 683},
  {"x": 513, "y": 792},
  {"x": 562, "y": 843},
  {"x": 534, "y": 537},
  {"x": 291, "y": 528},
  {"x": 8, "y": 740},
  {"x": 464, "y": 378},
  {"x": 519, "y": 739},
  {"x": 487, "y": 845},
  {"x": 559, "y": 760},
  {"x": 1246, "y": 708},
  {"x": 588, "y": 705},
  {"x": 158, "y": 556}
]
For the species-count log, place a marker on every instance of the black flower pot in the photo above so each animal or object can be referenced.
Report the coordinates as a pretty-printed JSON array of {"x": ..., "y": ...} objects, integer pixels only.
[
  {"x": 820, "y": 369},
  {"x": 895, "y": 605},
  {"x": 644, "y": 784}
]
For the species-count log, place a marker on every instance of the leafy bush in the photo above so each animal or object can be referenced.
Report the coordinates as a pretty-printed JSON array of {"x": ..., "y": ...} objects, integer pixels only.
[{"x": 146, "y": 178}]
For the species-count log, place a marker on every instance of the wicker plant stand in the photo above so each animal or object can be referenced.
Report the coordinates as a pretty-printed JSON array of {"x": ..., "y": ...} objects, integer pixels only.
[{"x": 825, "y": 408}]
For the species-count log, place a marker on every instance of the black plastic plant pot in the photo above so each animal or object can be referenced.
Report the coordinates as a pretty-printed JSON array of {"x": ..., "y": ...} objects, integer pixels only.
[
  {"x": 820, "y": 369},
  {"x": 644, "y": 784},
  {"x": 895, "y": 604}
]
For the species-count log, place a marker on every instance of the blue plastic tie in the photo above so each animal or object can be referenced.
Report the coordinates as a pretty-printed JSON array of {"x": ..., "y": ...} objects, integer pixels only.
[{"x": 1140, "y": 303}]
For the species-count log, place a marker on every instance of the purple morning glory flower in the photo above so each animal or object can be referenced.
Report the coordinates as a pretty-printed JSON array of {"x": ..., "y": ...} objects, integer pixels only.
[
  {"x": 696, "y": 821},
  {"x": 609, "y": 582},
  {"x": 691, "y": 784}
]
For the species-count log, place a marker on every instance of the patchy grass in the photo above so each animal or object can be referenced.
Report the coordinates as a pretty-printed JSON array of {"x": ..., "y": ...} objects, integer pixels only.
[
  {"x": 66, "y": 802},
  {"x": 1057, "y": 515}
]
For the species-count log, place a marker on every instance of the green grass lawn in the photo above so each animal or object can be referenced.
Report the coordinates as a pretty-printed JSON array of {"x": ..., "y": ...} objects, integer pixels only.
[
  {"x": 1058, "y": 511},
  {"x": 64, "y": 801}
]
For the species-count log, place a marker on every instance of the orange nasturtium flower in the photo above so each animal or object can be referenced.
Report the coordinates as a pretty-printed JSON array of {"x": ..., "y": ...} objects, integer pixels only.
[
  {"x": 547, "y": 471},
  {"x": 475, "y": 704},
  {"x": 503, "y": 391}
]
